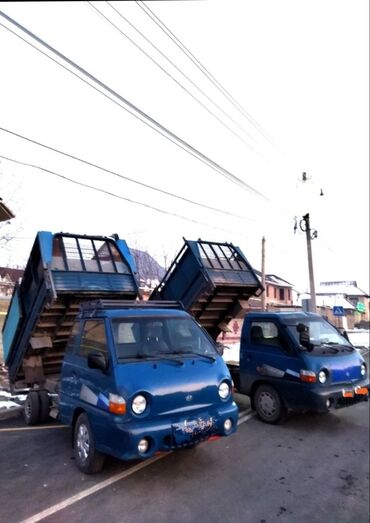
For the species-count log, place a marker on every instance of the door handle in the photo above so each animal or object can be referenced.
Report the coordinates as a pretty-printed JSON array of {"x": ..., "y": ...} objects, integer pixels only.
[{"x": 74, "y": 376}]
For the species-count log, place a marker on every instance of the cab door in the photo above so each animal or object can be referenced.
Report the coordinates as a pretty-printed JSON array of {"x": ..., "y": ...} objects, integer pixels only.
[
  {"x": 268, "y": 355},
  {"x": 89, "y": 388}
]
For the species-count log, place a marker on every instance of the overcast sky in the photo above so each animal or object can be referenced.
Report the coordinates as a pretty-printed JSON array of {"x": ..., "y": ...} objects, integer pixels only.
[{"x": 299, "y": 69}]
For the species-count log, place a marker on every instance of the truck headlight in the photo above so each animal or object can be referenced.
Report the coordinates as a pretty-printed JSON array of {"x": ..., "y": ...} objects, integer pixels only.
[
  {"x": 228, "y": 425},
  {"x": 363, "y": 369},
  {"x": 143, "y": 446},
  {"x": 224, "y": 390},
  {"x": 322, "y": 376},
  {"x": 139, "y": 404}
]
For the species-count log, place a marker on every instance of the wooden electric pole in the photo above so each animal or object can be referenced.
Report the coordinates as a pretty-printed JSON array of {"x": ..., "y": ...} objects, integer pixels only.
[
  {"x": 310, "y": 235},
  {"x": 263, "y": 276}
]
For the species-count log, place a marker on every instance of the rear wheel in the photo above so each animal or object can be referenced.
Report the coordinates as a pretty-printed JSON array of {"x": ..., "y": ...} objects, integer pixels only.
[
  {"x": 268, "y": 404},
  {"x": 88, "y": 459},
  {"x": 32, "y": 408},
  {"x": 44, "y": 406}
]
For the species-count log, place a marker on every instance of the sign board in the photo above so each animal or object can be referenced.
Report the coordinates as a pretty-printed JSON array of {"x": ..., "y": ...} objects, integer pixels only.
[
  {"x": 338, "y": 311},
  {"x": 360, "y": 307}
]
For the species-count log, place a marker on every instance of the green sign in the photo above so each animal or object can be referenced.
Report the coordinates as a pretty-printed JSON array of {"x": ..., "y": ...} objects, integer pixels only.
[{"x": 360, "y": 307}]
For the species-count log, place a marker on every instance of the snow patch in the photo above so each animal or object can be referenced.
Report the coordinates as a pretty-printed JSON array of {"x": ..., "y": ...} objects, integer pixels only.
[
  {"x": 231, "y": 353},
  {"x": 8, "y": 404}
]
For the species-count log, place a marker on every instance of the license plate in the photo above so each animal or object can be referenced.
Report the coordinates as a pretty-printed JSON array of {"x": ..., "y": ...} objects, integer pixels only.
[{"x": 192, "y": 430}]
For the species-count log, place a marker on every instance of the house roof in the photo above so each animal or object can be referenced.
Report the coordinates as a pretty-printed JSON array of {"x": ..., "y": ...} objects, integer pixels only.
[
  {"x": 147, "y": 267},
  {"x": 334, "y": 301},
  {"x": 273, "y": 279},
  {"x": 5, "y": 212},
  {"x": 13, "y": 274},
  {"x": 346, "y": 288}
]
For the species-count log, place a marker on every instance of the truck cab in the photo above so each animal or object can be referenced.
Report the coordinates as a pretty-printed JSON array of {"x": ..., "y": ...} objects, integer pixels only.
[
  {"x": 139, "y": 378},
  {"x": 299, "y": 362}
]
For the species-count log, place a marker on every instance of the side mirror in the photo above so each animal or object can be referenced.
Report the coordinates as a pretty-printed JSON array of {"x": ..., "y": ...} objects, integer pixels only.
[
  {"x": 97, "y": 360},
  {"x": 304, "y": 336}
]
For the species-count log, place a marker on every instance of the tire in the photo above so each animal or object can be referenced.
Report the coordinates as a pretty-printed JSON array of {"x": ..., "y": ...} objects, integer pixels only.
[
  {"x": 88, "y": 459},
  {"x": 44, "y": 406},
  {"x": 268, "y": 404},
  {"x": 32, "y": 408}
]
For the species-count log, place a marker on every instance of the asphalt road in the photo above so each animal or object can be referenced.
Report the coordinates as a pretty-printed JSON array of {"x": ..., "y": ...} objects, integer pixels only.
[{"x": 312, "y": 468}]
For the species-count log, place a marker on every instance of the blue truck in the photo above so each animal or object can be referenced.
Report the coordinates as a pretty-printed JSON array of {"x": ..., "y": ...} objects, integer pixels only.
[
  {"x": 288, "y": 361},
  {"x": 130, "y": 377},
  {"x": 297, "y": 361}
]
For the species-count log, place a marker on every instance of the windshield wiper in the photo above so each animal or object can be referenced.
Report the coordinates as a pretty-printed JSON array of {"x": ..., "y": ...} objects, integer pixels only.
[
  {"x": 166, "y": 356},
  {"x": 207, "y": 356},
  {"x": 329, "y": 346},
  {"x": 347, "y": 348}
]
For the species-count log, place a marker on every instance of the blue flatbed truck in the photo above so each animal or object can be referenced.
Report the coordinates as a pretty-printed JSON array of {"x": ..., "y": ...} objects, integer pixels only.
[
  {"x": 297, "y": 361},
  {"x": 288, "y": 361},
  {"x": 131, "y": 378}
]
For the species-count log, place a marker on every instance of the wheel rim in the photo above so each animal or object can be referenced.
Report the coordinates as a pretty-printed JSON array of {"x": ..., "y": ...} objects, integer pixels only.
[
  {"x": 83, "y": 442},
  {"x": 267, "y": 404}
]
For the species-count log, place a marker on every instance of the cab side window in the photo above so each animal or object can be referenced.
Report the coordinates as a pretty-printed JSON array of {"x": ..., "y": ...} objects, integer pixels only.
[
  {"x": 71, "y": 343},
  {"x": 266, "y": 333},
  {"x": 93, "y": 338}
]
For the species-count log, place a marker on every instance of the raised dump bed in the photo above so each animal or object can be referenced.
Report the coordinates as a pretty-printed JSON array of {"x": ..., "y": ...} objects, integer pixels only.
[
  {"x": 63, "y": 271},
  {"x": 212, "y": 281}
]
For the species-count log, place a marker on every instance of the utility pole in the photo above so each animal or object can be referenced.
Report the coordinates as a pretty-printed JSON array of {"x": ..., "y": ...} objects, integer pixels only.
[
  {"x": 263, "y": 276},
  {"x": 310, "y": 235}
]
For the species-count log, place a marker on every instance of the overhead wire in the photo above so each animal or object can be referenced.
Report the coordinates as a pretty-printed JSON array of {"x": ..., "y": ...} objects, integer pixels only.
[
  {"x": 129, "y": 200},
  {"x": 134, "y": 202},
  {"x": 98, "y": 189},
  {"x": 178, "y": 69},
  {"x": 8, "y": 18},
  {"x": 202, "y": 68},
  {"x": 130, "y": 107},
  {"x": 122, "y": 176},
  {"x": 76, "y": 182},
  {"x": 105, "y": 18}
]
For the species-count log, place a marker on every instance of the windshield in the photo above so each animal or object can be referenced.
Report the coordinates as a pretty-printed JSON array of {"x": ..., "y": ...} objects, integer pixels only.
[
  {"x": 323, "y": 336},
  {"x": 136, "y": 338}
]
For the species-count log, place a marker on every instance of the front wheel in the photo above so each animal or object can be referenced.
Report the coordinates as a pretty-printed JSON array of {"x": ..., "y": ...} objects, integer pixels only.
[
  {"x": 88, "y": 459},
  {"x": 268, "y": 404},
  {"x": 32, "y": 408},
  {"x": 44, "y": 406}
]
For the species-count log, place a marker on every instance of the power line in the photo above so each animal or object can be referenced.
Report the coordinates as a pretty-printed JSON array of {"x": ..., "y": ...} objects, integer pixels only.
[
  {"x": 202, "y": 68},
  {"x": 105, "y": 18},
  {"x": 114, "y": 173},
  {"x": 135, "y": 202},
  {"x": 134, "y": 110},
  {"x": 98, "y": 189},
  {"x": 181, "y": 72}
]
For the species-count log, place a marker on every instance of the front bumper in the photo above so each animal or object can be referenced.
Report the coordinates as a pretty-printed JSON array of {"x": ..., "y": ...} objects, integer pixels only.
[
  {"x": 323, "y": 399},
  {"x": 121, "y": 439}
]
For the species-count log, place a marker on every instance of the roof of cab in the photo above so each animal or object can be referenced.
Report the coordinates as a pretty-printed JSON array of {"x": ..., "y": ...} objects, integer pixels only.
[
  {"x": 283, "y": 316},
  {"x": 119, "y": 308}
]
